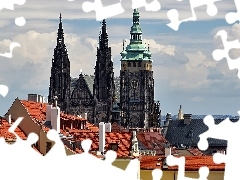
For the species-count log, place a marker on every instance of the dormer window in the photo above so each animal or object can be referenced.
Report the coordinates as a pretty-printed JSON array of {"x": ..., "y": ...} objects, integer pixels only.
[{"x": 114, "y": 146}]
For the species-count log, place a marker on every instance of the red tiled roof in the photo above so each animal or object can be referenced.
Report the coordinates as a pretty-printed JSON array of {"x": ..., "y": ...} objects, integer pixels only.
[
  {"x": 192, "y": 163},
  {"x": 195, "y": 152},
  {"x": 4, "y": 126},
  {"x": 149, "y": 139},
  {"x": 124, "y": 141},
  {"x": 37, "y": 112},
  {"x": 116, "y": 127}
]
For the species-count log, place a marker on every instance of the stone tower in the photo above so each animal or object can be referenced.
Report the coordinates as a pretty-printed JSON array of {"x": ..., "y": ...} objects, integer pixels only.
[
  {"x": 60, "y": 73},
  {"x": 136, "y": 79}
]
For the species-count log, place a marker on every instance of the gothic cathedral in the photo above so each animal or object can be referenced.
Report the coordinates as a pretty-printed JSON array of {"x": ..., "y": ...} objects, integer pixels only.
[{"x": 127, "y": 100}]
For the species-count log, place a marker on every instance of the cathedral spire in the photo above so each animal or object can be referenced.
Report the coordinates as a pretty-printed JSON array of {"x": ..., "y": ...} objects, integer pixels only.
[
  {"x": 103, "y": 37},
  {"x": 60, "y": 36},
  {"x": 60, "y": 72}
]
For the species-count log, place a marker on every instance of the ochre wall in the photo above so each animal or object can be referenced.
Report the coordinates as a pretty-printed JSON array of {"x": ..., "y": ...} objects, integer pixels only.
[{"x": 169, "y": 175}]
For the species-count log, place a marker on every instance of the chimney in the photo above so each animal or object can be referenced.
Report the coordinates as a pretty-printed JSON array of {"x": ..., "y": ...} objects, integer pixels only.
[
  {"x": 9, "y": 119},
  {"x": 187, "y": 118},
  {"x": 167, "y": 151},
  {"x": 135, "y": 148},
  {"x": 108, "y": 127},
  {"x": 85, "y": 116},
  {"x": 48, "y": 112},
  {"x": 101, "y": 137},
  {"x": 168, "y": 117},
  {"x": 55, "y": 116}
]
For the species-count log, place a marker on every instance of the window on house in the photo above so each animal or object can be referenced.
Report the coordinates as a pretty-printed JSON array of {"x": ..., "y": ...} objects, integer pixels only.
[
  {"x": 129, "y": 64},
  {"x": 134, "y": 64},
  {"x": 139, "y": 64},
  {"x": 48, "y": 146},
  {"x": 114, "y": 146}
]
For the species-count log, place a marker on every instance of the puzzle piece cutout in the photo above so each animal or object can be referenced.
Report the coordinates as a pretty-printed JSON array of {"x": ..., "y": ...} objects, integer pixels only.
[
  {"x": 157, "y": 174},
  {"x": 9, "y": 4},
  {"x": 232, "y": 158},
  {"x": 153, "y": 6},
  {"x": 12, "y": 46},
  {"x": 173, "y": 14},
  {"x": 30, "y": 160},
  {"x": 19, "y": 21},
  {"x": 232, "y": 17},
  {"x": 3, "y": 90},
  {"x": 180, "y": 162},
  {"x": 219, "y": 54},
  {"x": 103, "y": 12}
]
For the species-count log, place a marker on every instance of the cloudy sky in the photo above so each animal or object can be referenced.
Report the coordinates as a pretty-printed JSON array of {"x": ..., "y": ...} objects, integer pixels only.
[{"x": 185, "y": 72}]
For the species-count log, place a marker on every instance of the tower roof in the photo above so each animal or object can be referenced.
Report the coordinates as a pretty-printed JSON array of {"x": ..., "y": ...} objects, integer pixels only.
[
  {"x": 60, "y": 35},
  {"x": 136, "y": 50},
  {"x": 103, "y": 36}
]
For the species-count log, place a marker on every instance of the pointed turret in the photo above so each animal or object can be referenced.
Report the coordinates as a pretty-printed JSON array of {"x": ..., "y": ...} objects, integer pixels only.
[
  {"x": 136, "y": 31},
  {"x": 103, "y": 39},
  {"x": 60, "y": 35}
]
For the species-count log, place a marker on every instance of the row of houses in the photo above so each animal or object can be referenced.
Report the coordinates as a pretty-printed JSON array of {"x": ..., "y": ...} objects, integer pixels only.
[{"x": 149, "y": 146}]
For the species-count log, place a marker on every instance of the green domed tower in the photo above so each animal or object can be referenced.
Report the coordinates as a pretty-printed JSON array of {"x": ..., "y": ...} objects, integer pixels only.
[{"x": 136, "y": 79}]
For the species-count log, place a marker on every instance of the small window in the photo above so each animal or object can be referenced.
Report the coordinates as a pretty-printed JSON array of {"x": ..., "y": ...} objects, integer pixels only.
[
  {"x": 139, "y": 64},
  {"x": 134, "y": 64},
  {"x": 114, "y": 146},
  {"x": 129, "y": 64}
]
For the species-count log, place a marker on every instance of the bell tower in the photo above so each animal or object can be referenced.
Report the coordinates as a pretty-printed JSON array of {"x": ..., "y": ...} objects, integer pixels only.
[{"x": 136, "y": 79}]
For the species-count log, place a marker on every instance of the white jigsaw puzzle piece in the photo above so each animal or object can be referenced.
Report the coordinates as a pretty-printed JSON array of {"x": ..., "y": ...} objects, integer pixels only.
[
  {"x": 12, "y": 46},
  {"x": 180, "y": 162},
  {"x": 232, "y": 17},
  {"x": 103, "y": 12},
  {"x": 58, "y": 149},
  {"x": 3, "y": 90},
  {"x": 232, "y": 157},
  {"x": 157, "y": 174},
  {"x": 219, "y": 54},
  {"x": 9, "y": 4},
  {"x": 173, "y": 14},
  {"x": 153, "y": 6}
]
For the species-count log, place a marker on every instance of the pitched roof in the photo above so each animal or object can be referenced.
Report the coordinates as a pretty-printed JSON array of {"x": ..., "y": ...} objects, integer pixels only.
[
  {"x": 152, "y": 141},
  {"x": 192, "y": 163},
  {"x": 4, "y": 126},
  {"x": 179, "y": 133},
  {"x": 37, "y": 112},
  {"x": 124, "y": 141},
  {"x": 90, "y": 81},
  {"x": 9, "y": 137}
]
